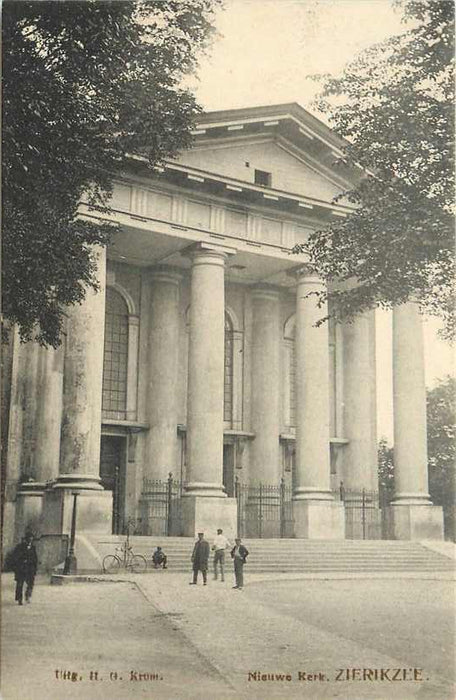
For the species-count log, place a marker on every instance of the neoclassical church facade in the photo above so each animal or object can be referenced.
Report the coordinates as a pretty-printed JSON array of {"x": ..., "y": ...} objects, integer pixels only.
[{"x": 200, "y": 356}]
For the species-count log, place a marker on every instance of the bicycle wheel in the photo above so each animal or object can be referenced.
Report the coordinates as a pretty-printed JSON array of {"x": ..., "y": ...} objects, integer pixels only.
[
  {"x": 138, "y": 564},
  {"x": 111, "y": 564}
]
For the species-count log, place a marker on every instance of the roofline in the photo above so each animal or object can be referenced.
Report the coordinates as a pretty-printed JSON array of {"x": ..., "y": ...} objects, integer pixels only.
[{"x": 291, "y": 110}]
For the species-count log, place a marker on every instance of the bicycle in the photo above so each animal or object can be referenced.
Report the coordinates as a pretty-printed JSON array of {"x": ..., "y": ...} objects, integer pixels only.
[{"x": 126, "y": 560}]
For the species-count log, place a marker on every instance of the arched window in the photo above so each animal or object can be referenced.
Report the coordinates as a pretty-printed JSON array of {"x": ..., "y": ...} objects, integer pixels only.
[
  {"x": 228, "y": 372},
  {"x": 115, "y": 362}
]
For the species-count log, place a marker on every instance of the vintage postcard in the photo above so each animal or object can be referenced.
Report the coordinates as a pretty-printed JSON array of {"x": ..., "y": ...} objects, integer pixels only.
[{"x": 214, "y": 483}]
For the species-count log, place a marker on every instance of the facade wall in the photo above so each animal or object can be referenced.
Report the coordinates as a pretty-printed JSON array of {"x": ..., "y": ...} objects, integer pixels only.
[
  {"x": 240, "y": 162},
  {"x": 151, "y": 265},
  {"x": 136, "y": 284}
]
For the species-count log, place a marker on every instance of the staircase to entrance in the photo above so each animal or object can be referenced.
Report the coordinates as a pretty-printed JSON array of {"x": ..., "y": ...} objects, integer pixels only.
[{"x": 290, "y": 555}]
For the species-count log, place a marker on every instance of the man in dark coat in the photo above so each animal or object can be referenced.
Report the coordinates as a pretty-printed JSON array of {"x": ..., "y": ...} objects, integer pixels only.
[
  {"x": 25, "y": 563},
  {"x": 200, "y": 559},
  {"x": 239, "y": 554}
]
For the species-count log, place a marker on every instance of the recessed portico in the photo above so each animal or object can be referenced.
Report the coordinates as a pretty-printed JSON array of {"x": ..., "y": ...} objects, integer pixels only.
[{"x": 214, "y": 378}]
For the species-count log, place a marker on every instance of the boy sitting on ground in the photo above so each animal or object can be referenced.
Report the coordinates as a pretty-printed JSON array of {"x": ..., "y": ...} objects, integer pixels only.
[{"x": 159, "y": 558}]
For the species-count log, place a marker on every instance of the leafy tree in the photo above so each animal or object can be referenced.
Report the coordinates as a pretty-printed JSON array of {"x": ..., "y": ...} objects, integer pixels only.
[
  {"x": 395, "y": 106},
  {"x": 441, "y": 443},
  {"x": 441, "y": 434},
  {"x": 86, "y": 85},
  {"x": 385, "y": 470}
]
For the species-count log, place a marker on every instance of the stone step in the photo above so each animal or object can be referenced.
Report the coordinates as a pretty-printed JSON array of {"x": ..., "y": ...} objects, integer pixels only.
[
  {"x": 255, "y": 556},
  {"x": 294, "y": 556},
  {"x": 327, "y": 567},
  {"x": 254, "y": 546},
  {"x": 261, "y": 540},
  {"x": 306, "y": 556},
  {"x": 304, "y": 561}
]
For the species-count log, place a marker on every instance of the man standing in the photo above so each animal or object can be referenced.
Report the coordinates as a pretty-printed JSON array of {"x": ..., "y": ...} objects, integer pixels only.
[
  {"x": 200, "y": 559},
  {"x": 219, "y": 546},
  {"x": 25, "y": 563},
  {"x": 239, "y": 554}
]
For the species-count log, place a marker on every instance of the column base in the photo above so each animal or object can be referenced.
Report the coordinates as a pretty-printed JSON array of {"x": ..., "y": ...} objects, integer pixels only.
[
  {"x": 206, "y": 514},
  {"x": 319, "y": 520},
  {"x": 78, "y": 481},
  {"x": 8, "y": 531},
  {"x": 29, "y": 505},
  {"x": 416, "y": 522},
  {"x": 203, "y": 488},
  {"x": 94, "y": 510},
  {"x": 311, "y": 493}
]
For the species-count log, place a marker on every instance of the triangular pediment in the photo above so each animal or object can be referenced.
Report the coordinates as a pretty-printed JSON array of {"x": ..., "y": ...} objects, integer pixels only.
[{"x": 291, "y": 169}]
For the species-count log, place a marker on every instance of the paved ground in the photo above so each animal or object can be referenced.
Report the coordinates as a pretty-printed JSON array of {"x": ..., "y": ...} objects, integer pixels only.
[
  {"x": 205, "y": 641},
  {"x": 106, "y": 627}
]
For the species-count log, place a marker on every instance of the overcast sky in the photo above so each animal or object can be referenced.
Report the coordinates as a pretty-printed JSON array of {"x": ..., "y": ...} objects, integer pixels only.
[
  {"x": 263, "y": 54},
  {"x": 266, "y": 50}
]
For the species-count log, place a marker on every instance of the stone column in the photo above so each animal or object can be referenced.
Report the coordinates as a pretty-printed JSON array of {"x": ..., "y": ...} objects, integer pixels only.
[
  {"x": 360, "y": 454},
  {"x": 49, "y": 413},
  {"x": 31, "y": 353},
  {"x": 265, "y": 467},
  {"x": 413, "y": 515},
  {"x": 316, "y": 514},
  {"x": 47, "y": 418},
  {"x": 29, "y": 493},
  {"x": 81, "y": 421},
  {"x": 163, "y": 370},
  {"x": 13, "y": 528},
  {"x": 35, "y": 428},
  {"x": 162, "y": 439},
  {"x": 266, "y": 338},
  {"x": 205, "y": 503}
]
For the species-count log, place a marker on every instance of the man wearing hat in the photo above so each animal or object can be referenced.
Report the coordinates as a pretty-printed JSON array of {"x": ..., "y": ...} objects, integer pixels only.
[
  {"x": 239, "y": 554},
  {"x": 24, "y": 564},
  {"x": 200, "y": 559}
]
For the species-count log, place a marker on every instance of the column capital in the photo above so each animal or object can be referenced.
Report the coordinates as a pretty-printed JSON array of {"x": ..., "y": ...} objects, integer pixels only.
[
  {"x": 208, "y": 253},
  {"x": 265, "y": 291},
  {"x": 166, "y": 273},
  {"x": 305, "y": 274},
  {"x": 411, "y": 305}
]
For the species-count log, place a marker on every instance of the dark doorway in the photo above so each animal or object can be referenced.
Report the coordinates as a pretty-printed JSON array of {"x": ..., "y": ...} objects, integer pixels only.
[
  {"x": 112, "y": 475},
  {"x": 228, "y": 469}
]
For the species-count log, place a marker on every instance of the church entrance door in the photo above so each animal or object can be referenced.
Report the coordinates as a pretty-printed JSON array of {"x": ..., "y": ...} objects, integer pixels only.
[
  {"x": 228, "y": 469},
  {"x": 112, "y": 475}
]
